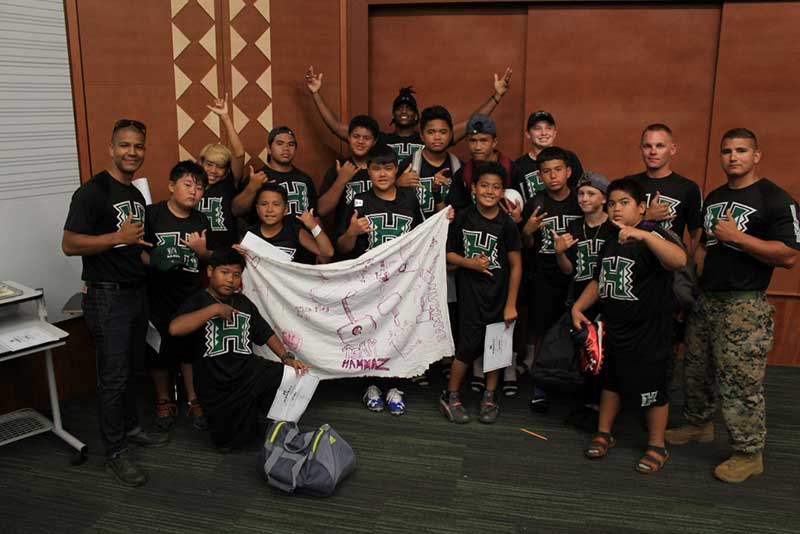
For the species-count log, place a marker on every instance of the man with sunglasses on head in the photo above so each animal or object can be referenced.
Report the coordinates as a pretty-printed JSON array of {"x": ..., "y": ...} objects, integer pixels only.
[{"x": 105, "y": 226}]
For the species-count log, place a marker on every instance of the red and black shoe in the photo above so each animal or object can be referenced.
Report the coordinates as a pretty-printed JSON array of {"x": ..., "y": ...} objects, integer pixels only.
[{"x": 590, "y": 344}]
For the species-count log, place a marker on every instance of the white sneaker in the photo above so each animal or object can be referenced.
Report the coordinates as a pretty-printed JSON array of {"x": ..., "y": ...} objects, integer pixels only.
[
  {"x": 394, "y": 398},
  {"x": 373, "y": 399}
]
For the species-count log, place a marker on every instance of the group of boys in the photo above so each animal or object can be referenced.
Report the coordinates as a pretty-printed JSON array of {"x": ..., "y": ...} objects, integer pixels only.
[{"x": 569, "y": 243}]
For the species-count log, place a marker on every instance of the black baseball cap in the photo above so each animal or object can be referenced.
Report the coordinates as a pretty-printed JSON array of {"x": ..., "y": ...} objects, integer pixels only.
[
  {"x": 480, "y": 123},
  {"x": 539, "y": 116},
  {"x": 275, "y": 132}
]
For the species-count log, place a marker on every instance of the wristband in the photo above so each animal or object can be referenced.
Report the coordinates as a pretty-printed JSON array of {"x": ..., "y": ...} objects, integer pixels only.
[
  {"x": 288, "y": 356},
  {"x": 497, "y": 100},
  {"x": 316, "y": 231}
]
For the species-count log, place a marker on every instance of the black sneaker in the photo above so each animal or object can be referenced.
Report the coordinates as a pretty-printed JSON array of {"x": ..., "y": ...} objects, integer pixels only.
[
  {"x": 149, "y": 439},
  {"x": 477, "y": 384},
  {"x": 199, "y": 421},
  {"x": 539, "y": 403},
  {"x": 166, "y": 413},
  {"x": 125, "y": 471}
]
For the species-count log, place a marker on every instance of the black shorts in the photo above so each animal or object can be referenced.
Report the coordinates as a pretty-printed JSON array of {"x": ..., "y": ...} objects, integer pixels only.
[
  {"x": 471, "y": 336},
  {"x": 546, "y": 305},
  {"x": 640, "y": 379},
  {"x": 173, "y": 350}
]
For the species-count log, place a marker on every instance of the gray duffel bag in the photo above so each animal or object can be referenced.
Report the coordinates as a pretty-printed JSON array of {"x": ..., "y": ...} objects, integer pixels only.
[{"x": 312, "y": 461}]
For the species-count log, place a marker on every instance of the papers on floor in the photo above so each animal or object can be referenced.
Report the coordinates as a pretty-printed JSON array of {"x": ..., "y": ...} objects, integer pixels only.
[
  {"x": 293, "y": 395},
  {"x": 25, "y": 338},
  {"x": 498, "y": 346}
]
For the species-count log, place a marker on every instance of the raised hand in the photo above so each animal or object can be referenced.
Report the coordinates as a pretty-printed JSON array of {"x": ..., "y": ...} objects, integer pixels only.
[
  {"x": 345, "y": 171},
  {"x": 563, "y": 242},
  {"x": 408, "y": 179},
  {"x": 257, "y": 179},
  {"x": 513, "y": 208},
  {"x": 440, "y": 179},
  {"x": 224, "y": 311},
  {"x": 726, "y": 228},
  {"x": 131, "y": 232},
  {"x": 480, "y": 263},
  {"x": 308, "y": 219},
  {"x": 534, "y": 221},
  {"x": 628, "y": 233},
  {"x": 195, "y": 241},
  {"x": 313, "y": 81},
  {"x": 658, "y": 211},
  {"x": 220, "y": 106},
  {"x": 501, "y": 85},
  {"x": 358, "y": 225}
]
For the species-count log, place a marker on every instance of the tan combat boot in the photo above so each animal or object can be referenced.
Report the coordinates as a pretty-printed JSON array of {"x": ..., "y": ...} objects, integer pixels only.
[
  {"x": 740, "y": 467},
  {"x": 688, "y": 433}
]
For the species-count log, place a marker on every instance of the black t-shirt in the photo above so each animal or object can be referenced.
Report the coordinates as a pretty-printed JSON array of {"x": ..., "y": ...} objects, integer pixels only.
[
  {"x": 288, "y": 240},
  {"x": 216, "y": 205},
  {"x": 101, "y": 206},
  {"x": 403, "y": 146},
  {"x": 427, "y": 197},
  {"x": 585, "y": 253},
  {"x": 299, "y": 188},
  {"x": 359, "y": 183},
  {"x": 482, "y": 298},
  {"x": 223, "y": 350},
  {"x": 559, "y": 214},
  {"x": 762, "y": 210},
  {"x": 636, "y": 295},
  {"x": 525, "y": 175},
  {"x": 390, "y": 218},
  {"x": 680, "y": 194},
  {"x": 168, "y": 289}
]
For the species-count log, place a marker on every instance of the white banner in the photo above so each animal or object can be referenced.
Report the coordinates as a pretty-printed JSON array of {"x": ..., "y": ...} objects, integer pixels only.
[{"x": 383, "y": 314}]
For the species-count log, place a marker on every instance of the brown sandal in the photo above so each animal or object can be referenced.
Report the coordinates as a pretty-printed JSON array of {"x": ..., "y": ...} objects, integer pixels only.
[
  {"x": 598, "y": 447},
  {"x": 653, "y": 460}
]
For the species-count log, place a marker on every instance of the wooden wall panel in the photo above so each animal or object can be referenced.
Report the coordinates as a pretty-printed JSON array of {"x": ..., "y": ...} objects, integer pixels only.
[
  {"x": 606, "y": 72},
  {"x": 758, "y": 81},
  {"x": 442, "y": 52},
  {"x": 786, "y": 349},
  {"x": 126, "y": 52}
]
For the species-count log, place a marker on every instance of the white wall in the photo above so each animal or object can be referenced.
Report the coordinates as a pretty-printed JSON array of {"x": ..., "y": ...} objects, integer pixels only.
[{"x": 38, "y": 150}]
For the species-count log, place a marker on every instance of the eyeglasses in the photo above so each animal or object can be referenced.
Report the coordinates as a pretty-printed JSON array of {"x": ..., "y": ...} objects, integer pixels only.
[{"x": 125, "y": 123}]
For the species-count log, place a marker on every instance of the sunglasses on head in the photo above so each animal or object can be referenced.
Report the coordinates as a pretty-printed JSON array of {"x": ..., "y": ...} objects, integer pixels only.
[{"x": 125, "y": 123}]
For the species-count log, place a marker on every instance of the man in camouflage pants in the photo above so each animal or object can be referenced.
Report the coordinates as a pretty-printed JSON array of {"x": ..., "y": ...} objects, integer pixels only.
[{"x": 750, "y": 227}]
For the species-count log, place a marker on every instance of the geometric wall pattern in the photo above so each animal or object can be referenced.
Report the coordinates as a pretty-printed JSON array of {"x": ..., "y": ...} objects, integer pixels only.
[
  {"x": 195, "y": 62},
  {"x": 199, "y": 74},
  {"x": 251, "y": 75}
]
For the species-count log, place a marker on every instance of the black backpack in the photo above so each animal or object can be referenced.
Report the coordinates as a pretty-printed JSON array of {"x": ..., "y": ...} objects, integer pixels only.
[{"x": 557, "y": 364}]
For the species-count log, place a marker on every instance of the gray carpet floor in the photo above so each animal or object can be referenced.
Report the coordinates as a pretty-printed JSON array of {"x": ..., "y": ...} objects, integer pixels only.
[{"x": 415, "y": 473}]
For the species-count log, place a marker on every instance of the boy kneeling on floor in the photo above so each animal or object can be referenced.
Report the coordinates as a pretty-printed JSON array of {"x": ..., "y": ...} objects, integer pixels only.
[
  {"x": 235, "y": 387},
  {"x": 634, "y": 288}
]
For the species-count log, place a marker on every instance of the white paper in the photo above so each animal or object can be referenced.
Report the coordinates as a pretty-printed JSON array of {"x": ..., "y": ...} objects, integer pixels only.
[
  {"x": 25, "y": 338},
  {"x": 498, "y": 346},
  {"x": 153, "y": 338},
  {"x": 293, "y": 395},
  {"x": 262, "y": 248},
  {"x": 144, "y": 188}
]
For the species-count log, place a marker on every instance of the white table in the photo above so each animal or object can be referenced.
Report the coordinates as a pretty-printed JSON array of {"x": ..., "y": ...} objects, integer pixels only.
[{"x": 18, "y": 313}]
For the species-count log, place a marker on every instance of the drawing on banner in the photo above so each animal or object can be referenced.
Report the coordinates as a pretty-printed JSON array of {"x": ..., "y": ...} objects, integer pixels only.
[{"x": 356, "y": 334}]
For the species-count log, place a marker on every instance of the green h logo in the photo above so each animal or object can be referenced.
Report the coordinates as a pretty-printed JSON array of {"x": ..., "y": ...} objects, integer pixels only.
[
  {"x": 222, "y": 335},
  {"x": 616, "y": 279},
  {"x": 535, "y": 184},
  {"x": 557, "y": 223},
  {"x": 297, "y": 197},
  {"x": 586, "y": 260},
  {"x": 476, "y": 242},
  {"x": 212, "y": 208},
  {"x": 387, "y": 226},
  {"x": 124, "y": 210},
  {"x": 354, "y": 188},
  {"x": 715, "y": 212}
]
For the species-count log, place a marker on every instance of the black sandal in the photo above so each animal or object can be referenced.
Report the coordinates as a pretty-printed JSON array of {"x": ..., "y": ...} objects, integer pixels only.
[
  {"x": 649, "y": 463},
  {"x": 599, "y": 446}
]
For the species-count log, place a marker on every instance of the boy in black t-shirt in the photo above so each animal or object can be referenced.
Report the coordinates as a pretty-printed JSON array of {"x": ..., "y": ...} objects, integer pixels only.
[
  {"x": 235, "y": 386},
  {"x": 634, "y": 288},
  {"x": 347, "y": 178},
  {"x": 223, "y": 167},
  {"x": 547, "y": 215},
  {"x": 541, "y": 132},
  {"x": 751, "y": 226},
  {"x": 483, "y": 244},
  {"x": 300, "y": 189},
  {"x": 374, "y": 217},
  {"x": 105, "y": 226},
  {"x": 672, "y": 200},
  {"x": 178, "y": 234},
  {"x": 299, "y": 236},
  {"x": 577, "y": 253},
  {"x": 405, "y": 140}
]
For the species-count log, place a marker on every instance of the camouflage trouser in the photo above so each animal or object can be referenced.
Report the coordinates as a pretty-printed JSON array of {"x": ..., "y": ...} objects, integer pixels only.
[{"x": 728, "y": 336}]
